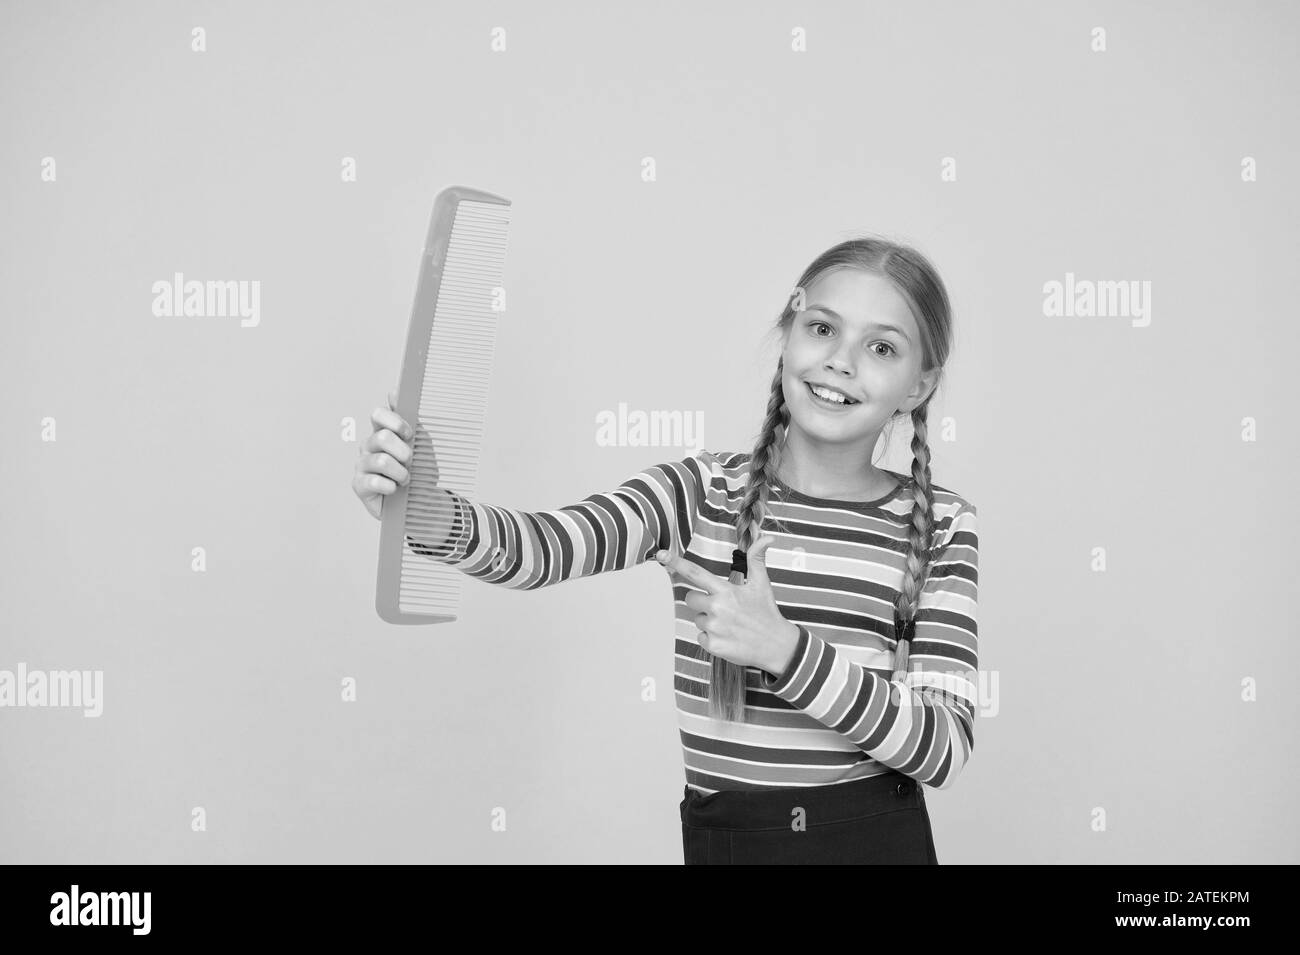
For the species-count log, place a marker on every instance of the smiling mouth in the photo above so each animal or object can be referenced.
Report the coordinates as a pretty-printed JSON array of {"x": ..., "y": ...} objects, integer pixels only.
[{"x": 846, "y": 403}]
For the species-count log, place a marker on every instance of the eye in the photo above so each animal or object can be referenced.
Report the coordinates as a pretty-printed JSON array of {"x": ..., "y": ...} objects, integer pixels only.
[
  {"x": 889, "y": 346},
  {"x": 814, "y": 324}
]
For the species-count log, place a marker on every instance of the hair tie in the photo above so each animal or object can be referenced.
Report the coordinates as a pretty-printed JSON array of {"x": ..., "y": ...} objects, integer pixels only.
[
  {"x": 904, "y": 630},
  {"x": 739, "y": 562}
]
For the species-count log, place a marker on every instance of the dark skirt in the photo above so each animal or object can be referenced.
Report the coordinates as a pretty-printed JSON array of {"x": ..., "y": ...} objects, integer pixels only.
[{"x": 878, "y": 821}]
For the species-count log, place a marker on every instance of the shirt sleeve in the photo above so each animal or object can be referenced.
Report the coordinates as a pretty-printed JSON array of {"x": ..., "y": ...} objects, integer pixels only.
[
  {"x": 922, "y": 725},
  {"x": 611, "y": 530}
]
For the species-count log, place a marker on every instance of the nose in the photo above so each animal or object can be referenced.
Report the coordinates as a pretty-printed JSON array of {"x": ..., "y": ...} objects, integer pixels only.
[{"x": 837, "y": 364}]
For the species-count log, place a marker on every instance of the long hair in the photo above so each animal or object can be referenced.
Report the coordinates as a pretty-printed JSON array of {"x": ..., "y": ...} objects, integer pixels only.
[{"x": 918, "y": 282}]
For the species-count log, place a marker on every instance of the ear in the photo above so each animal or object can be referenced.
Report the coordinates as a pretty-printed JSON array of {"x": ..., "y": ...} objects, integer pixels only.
[{"x": 924, "y": 386}]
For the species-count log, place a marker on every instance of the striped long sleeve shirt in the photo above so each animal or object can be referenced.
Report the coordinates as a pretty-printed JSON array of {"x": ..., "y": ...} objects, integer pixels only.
[{"x": 833, "y": 715}]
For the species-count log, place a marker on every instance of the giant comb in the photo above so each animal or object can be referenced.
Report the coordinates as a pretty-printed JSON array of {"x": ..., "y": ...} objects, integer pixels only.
[{"x": 442, "y": 393}]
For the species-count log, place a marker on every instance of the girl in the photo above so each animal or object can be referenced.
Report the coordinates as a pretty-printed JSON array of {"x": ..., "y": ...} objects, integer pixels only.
[{"x": 825, "y": 638}]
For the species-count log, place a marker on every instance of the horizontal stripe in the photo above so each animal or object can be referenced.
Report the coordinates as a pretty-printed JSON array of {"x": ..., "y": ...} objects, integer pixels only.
[{"x": 833, "y": 715}]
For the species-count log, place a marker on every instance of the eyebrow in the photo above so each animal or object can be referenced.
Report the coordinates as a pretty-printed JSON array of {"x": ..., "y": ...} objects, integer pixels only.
[{"x": 836, "y": 315}]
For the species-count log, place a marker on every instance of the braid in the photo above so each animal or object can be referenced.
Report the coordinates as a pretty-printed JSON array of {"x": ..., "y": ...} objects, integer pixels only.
[
  {"x": 919, "y": 544},
  {"x": 727, "y": 683}
]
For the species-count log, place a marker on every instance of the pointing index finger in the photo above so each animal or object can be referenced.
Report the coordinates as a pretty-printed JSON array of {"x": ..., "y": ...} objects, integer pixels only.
[{"x": 693, "y": 572}]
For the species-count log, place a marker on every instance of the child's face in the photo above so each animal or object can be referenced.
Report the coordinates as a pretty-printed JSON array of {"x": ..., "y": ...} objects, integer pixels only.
[{"x": 877, "y": 367}]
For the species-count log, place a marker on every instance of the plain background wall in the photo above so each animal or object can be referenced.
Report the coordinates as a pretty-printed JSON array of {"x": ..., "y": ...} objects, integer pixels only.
[{"x": 1118, "y": 690}]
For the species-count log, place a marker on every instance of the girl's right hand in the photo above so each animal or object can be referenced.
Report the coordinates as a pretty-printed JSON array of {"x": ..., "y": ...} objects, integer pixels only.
[{"x": 385, "y": 457}]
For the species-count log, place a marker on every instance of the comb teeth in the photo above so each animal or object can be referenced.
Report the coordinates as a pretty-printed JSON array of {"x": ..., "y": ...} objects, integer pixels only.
[{"x": 446, "y": 376}]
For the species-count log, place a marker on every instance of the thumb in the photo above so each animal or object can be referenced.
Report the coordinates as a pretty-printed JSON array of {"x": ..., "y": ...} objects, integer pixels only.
[{"x": 757, "y": 558}]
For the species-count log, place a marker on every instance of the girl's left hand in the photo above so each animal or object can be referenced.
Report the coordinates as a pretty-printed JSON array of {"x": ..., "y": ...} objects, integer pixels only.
[{"x": 740, "y": 622}]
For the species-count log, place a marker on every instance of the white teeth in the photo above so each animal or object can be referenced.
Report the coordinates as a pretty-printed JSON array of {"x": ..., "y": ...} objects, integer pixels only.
[{"x": 828, "y": 395}]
